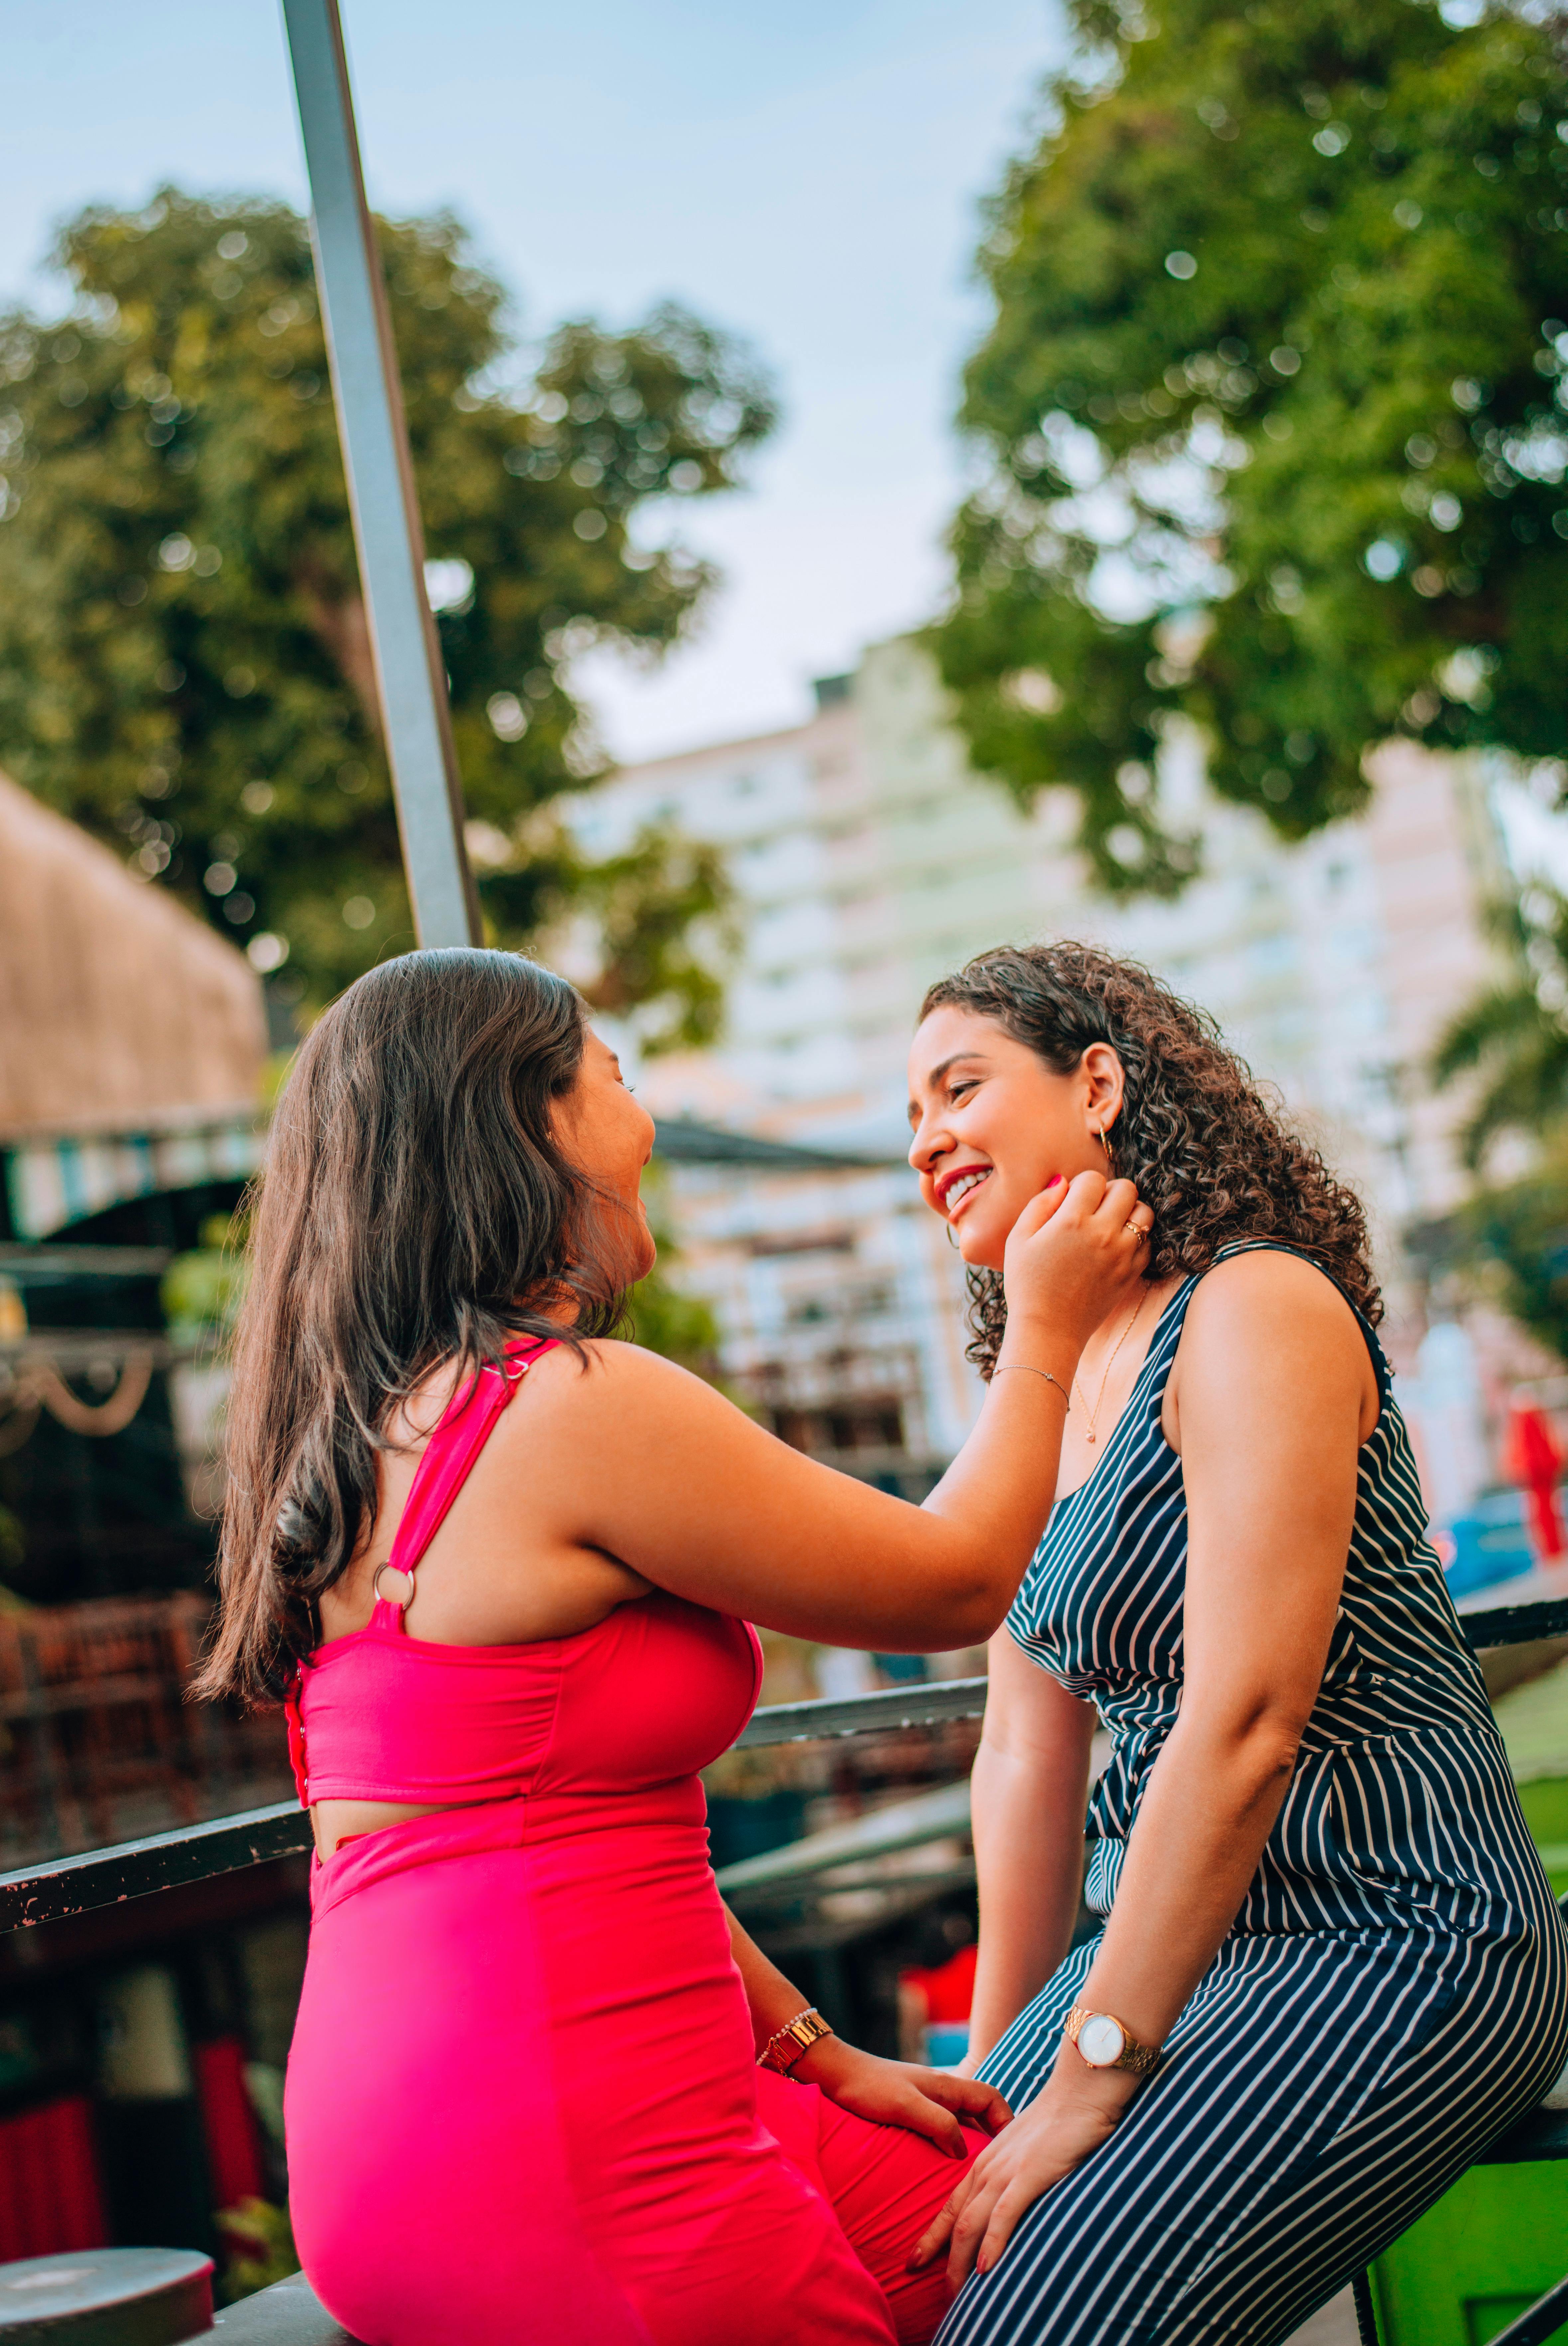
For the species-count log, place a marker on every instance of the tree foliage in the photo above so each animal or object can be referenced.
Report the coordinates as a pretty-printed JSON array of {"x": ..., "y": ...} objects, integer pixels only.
[
  {"x": 1511, "y": 1044},
  {"x": 1516, "y": 1235},
  {"x": 1271, "y": 412},
  {"x": 184, "y": 657},
  {"x": 1511, "y": 1039},
  {"x": 661, "y": 1315}
]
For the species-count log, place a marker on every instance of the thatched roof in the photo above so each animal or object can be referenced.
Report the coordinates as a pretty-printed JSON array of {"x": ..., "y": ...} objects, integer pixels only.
[{"x": 119, "y": 1010}]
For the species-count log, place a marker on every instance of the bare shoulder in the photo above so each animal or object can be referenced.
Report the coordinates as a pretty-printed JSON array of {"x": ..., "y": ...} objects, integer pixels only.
[
  {"x": 1262, "y": 1291},
  {"x": 1267, "y": 1313},
  {"x": 606, "y": 1382},
  {"x": 612, "y": 1363}
]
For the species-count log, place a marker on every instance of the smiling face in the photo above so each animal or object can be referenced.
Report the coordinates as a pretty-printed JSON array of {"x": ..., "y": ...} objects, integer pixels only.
[
  {"x": 993, "y": 1124},
  {"x": 603, "y": 1132}
]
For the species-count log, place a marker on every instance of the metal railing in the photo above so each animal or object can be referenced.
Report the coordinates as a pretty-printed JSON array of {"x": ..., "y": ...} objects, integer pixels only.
[
  {"x": 65, "y": 1886},
  {"x": 137, "y": 1869}
]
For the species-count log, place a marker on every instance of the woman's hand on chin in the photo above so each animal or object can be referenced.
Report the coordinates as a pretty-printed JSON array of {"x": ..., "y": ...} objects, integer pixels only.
[
  {"x": 1076, "y": 1252},
  {"x": 898, "y": 2093},
  {"x": 1070, "y": 2118}
]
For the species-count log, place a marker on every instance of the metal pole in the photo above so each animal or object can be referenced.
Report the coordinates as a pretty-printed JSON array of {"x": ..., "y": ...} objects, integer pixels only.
[{"x": 410, "y": 677}]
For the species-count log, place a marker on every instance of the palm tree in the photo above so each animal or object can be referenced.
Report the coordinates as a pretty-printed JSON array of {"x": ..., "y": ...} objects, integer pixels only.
[
  {"x": 1514, "y": 1034},
  {"x": 1513, "y": 1038}
]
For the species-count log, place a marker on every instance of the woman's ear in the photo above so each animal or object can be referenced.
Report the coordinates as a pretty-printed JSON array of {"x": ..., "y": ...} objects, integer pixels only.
[{"x": 1105, "y": 1085}]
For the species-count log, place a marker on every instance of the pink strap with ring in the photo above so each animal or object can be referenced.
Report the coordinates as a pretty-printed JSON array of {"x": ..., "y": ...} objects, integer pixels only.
[{"x": 466, "y": 1426}]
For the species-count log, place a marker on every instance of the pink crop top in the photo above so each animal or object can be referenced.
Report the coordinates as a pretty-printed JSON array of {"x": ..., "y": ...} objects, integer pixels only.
[{"x": 655, "y": 1690}]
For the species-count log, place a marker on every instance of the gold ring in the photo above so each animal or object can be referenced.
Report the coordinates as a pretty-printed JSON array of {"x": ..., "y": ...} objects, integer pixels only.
[{"x": 1137, "y": 1231}]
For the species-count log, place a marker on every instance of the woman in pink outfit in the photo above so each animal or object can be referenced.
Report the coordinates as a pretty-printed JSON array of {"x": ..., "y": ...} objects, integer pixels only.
[{"x": 525, "y": 2100}]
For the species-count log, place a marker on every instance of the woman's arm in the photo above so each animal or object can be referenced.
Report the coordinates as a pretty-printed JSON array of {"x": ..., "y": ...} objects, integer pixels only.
[
  {"x": 1275, "y": 1394},
  {"x": 889, "y": 2093},
  {"x": 1029, "y": 1788},
  {"x": 639, "y": 1460}
]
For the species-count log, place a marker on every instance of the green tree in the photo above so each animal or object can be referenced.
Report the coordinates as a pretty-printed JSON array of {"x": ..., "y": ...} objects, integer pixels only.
[
  {"x": 1271, "y": 412},
  {"x": 665, "y": 1320},
  {"x": 184, "y": 657},
  {"x": 1511, "y": 1039},
  {"x": 1514, "y": 1234},
  {"x": 1509, "y": 1043}
]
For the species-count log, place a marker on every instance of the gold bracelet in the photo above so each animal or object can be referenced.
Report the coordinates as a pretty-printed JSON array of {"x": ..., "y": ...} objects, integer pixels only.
[
  {"x": 1028, "y": 1371},
  {"x": 787, "y": 2045}
]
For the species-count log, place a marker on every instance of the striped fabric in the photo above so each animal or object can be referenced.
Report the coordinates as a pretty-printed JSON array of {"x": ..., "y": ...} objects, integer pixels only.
[{"x": 1394, "y": 1989}]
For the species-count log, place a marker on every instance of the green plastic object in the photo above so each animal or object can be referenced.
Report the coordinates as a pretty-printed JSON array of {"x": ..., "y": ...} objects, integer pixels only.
[
  {"x": 1545, "y": 1806},
  {"x": 1477, "y": 2261}
]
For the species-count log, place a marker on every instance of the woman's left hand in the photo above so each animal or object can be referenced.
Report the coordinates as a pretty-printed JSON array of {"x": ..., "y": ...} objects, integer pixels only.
[
  {"x": 898, "y": 2093},
  {"x": 1070, "y": 2117}
]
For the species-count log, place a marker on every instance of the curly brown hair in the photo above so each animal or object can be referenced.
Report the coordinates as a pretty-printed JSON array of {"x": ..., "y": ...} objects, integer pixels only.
[{"x": 1206, "y": 1152}]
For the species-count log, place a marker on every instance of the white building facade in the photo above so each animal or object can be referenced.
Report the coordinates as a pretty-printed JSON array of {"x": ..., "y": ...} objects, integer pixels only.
[{"x": 869, "y": 859}]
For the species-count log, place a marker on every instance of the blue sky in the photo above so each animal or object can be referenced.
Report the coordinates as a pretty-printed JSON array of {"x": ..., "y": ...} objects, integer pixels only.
[{"x": 808, "y": 175}]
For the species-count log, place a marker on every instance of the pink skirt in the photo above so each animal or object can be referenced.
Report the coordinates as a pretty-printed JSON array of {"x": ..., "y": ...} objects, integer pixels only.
[{"x": 522, "y": 2104}]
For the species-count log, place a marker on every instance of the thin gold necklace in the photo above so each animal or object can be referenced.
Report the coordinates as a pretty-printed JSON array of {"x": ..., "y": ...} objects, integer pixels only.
[{"x": 1094, "y": 1414}]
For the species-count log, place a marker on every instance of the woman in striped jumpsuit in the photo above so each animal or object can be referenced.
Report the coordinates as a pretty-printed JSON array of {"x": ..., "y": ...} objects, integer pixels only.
[{"x": 1331, "y": 1967}]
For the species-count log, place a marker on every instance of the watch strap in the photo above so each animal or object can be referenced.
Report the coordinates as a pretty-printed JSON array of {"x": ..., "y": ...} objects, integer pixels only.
[
  {"x": 797, "y": 2037},
  {"x": 1139, "y": 2058}
]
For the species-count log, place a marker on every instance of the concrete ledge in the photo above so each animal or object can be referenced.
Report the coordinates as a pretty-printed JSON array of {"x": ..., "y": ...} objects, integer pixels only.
[{"x": 289, "y": 2313}]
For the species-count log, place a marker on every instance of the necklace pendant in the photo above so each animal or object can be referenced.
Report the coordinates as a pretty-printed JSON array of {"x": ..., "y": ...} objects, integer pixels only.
[{"x": 1089, "y": 1437}]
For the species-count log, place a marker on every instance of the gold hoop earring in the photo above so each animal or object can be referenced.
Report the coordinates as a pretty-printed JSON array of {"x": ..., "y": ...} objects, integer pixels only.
[
  {"x": 947, "y": 1227},
  {"x": 1110, "y": 1160}
]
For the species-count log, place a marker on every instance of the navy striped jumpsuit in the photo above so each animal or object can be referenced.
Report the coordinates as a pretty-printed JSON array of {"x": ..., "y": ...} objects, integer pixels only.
[{"x": 1393, "y": 1991}]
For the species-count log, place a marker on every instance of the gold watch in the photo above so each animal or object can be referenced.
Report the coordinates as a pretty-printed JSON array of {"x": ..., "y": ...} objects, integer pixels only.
[
  {"x": 786, "y": 2045},
  {"x": 1105, "y": 2043}
]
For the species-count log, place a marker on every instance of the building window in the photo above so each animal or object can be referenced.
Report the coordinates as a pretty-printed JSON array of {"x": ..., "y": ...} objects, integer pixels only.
[{"x": 856, "y": 1425}]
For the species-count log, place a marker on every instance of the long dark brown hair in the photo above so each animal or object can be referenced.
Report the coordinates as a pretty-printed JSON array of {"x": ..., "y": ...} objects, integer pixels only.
[
  {"x": 413, "y": 1208},
  {"x": 1206, "y": 1150}
]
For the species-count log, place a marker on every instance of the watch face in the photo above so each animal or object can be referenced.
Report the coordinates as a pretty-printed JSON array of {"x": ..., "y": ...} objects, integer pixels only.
[{"x": 1101, "y": 2040}]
